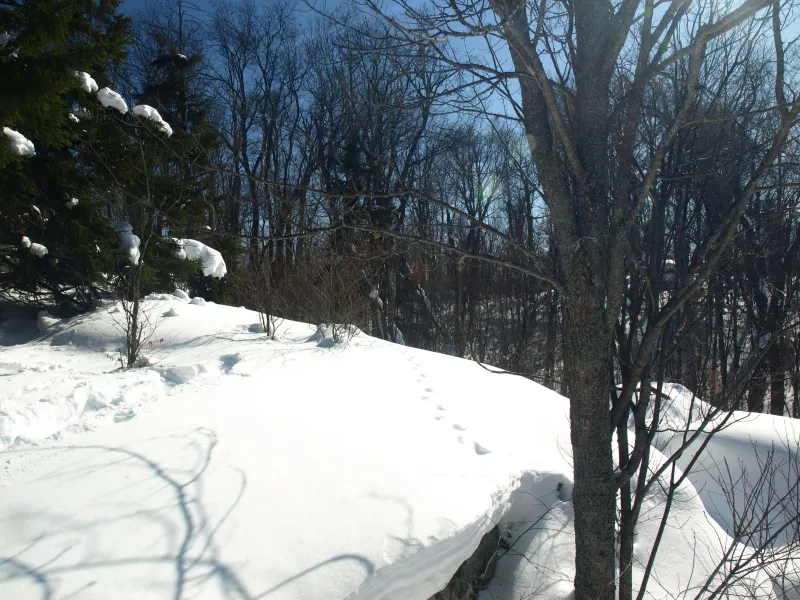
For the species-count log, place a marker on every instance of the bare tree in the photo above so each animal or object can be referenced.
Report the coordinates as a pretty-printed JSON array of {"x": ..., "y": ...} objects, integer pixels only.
[{"x": 584, "y": 114}]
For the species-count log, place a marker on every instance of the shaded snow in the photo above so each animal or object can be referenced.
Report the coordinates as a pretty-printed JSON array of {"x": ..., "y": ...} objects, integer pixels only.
[
  {"x": 148, "y": 112},
  {"x": 19, "y": 143},
  {"x": 128, "y": 240},
  {"x": 111, "y": 99}
]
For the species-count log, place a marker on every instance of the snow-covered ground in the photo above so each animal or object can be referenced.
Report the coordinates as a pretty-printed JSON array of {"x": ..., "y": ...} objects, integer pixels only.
[{"x": 239, "y": 466}]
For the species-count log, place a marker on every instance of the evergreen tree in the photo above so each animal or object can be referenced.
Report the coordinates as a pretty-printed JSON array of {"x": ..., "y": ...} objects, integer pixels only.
[
  {"x": 179, "y": 175},
  {"x": 52, "y": 196}
]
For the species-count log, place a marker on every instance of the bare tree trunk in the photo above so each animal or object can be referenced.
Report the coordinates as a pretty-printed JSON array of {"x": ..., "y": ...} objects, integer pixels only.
[
  {"x": 586, "y": 359},
  {"x": 757, "y": 389},
  {"x": 132, "y": 346},
  {"x": 777, "y": 380},
  {"x": 627, "y": 521},
  {"x": 550, "y": 350}
]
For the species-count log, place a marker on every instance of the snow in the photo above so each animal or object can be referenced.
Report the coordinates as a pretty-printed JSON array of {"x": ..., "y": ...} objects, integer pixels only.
[
  {"x": 73, "y": 118},
  {"x": 111, "y": 99},
  {"x": 735, "y": 455},
  {"x": 373, "y": 295},
  {"x": 87, "y": 82},
  {"x": 26, "y": 241},
  {"x": 19, "y": 143},
  {"x": 38, "y": 250},
  {"x": 148, "y": 112},
  {"x": 211, "y": 260},
  {"x": 71, "y": 203},
  {"x": 4, "y": 39},
  {"x": 240, "y": 466},
  {"x": 128, "y": 240}
]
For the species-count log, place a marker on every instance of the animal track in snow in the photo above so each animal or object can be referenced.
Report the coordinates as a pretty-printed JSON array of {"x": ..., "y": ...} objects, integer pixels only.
[
  {"x": 458, "y": 427},
  {"x": 480, "y": 449},
  {"x": 228, "y": 361}
]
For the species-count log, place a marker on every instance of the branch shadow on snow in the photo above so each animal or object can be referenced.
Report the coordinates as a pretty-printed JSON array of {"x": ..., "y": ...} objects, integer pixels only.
[{"x": 165, "y": 498}]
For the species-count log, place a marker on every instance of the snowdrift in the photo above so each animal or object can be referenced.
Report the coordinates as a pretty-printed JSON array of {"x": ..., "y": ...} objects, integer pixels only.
[{"x": 239, "y": 466}]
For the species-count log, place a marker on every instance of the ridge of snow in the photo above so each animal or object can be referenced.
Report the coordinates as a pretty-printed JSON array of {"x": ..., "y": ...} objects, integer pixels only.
[
  {"x": 87, "y": 82},
  {"x": 111, "y": 99},
  {"x": 148, "y": 112},
  {"x": 211, "y": 260},
  {"x": 257, "y": 466},
  {"x": 19, "y": 143}
]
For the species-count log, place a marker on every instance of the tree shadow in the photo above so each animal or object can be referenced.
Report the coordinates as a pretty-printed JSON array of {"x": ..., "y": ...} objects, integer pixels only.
[{"x": 60, "y": 545}]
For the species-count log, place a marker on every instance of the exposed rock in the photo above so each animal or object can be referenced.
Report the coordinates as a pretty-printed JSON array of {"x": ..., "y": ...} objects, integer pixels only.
[{"x": 475, "y": 572}]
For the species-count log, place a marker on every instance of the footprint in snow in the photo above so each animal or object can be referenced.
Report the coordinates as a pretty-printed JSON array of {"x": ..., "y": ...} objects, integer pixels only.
[
  {"x": 228, "y": 361},
  {"x": 480, "y": 450}
]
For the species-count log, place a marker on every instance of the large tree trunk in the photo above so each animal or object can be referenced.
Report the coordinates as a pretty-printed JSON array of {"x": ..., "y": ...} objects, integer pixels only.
[{"x": 586, "y": 359}]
